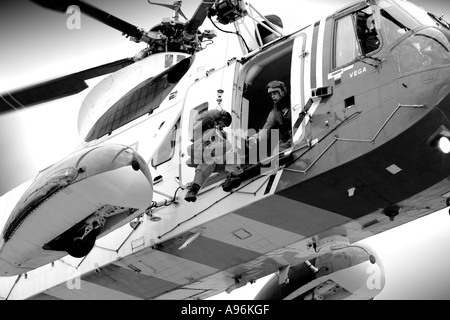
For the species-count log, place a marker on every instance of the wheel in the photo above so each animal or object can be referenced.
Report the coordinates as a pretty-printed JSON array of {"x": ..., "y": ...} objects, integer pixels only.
[{"x": 79, "y": 248}]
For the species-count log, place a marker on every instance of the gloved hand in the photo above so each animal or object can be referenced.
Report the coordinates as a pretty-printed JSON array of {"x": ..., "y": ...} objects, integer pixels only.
[{"x": 251, "y": 142}]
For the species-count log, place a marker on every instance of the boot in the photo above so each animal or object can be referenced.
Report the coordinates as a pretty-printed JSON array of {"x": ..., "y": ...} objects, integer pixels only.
[
  {"x": 232, "y": 181},
  {"x": 191, "y": 196}
]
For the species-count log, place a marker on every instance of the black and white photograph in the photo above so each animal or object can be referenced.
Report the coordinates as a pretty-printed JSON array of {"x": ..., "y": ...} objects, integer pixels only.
[{"x": 225, "y": 150}]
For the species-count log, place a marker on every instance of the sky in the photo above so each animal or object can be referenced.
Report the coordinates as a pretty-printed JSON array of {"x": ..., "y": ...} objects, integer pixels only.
[{"x": 38, "y": 45}]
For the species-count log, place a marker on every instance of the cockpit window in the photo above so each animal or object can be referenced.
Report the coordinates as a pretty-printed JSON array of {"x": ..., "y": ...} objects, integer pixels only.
[
  {"x": 420, "y": 14},
  {"x": 346, "y": 49},
  {"x": 395, "y": 22},
  {"x": 427, "y": 48},
  {"x": 366, "y": 29},
  {"x": 356, "y": 35}
]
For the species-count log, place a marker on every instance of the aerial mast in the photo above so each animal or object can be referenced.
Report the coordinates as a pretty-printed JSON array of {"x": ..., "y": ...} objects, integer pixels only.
[{"x": 263, "y": 30}]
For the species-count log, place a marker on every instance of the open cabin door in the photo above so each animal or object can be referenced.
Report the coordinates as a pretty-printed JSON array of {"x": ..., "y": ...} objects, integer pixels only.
[
  {"x": 202, "y": 96},
  {"x": 300, "y": 86},
  {"x": 254, "y": 105}
]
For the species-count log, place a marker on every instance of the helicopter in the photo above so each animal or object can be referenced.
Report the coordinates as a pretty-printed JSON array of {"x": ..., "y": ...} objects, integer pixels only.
[{"x": 365, "y": 117}]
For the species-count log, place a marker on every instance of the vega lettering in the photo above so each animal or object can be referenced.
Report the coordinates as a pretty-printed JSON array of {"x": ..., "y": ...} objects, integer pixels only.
[{"x": 357, "y": 72}]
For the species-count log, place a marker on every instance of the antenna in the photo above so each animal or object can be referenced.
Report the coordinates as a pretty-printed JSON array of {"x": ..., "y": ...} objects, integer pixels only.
[
  {"x": 265, "y": 28},
  {"x": 175, "y": 7}
]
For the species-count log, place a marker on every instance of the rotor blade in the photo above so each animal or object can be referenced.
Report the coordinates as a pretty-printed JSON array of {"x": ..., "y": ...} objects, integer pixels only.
[
  {"x": 56, "y": 88},
  {"x": 100, "y": 15},
  {"x": 199, "y": 17}
]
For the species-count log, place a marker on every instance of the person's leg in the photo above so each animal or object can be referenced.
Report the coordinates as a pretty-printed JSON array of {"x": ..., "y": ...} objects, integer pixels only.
[{"x": 202, "y": 172}]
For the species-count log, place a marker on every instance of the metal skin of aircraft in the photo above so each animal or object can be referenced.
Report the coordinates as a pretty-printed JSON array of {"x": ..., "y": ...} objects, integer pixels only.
[{"x": 369, "y": 100}]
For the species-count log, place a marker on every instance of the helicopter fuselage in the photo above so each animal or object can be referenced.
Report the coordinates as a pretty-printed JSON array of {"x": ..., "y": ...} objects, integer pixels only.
[{"x": 367, "y": 109}]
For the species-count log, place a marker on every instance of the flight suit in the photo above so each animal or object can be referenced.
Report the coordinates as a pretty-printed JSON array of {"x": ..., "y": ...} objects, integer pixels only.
[{"x": 209, "y": 139}]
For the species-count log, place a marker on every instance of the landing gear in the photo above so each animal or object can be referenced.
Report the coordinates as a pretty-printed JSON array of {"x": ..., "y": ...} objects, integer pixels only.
[
  {"x": 84, "y": 240},
  {"x": 79, "y": 240},
  {"x": 327, "y": 288},
  {"x": 79, "y": 247}
]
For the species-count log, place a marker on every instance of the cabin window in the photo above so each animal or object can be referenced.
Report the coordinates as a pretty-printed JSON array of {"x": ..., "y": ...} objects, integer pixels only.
[
  {"x": 195, "y": 115},
  {"x": 167, "y": 150},
  {"x": 141, "y": 100}
]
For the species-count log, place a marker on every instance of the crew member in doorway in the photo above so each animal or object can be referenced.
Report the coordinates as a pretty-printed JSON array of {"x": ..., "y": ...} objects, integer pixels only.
[
  {"x": 208, "y": 133},
  {"x": 279, "y": 118}
]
